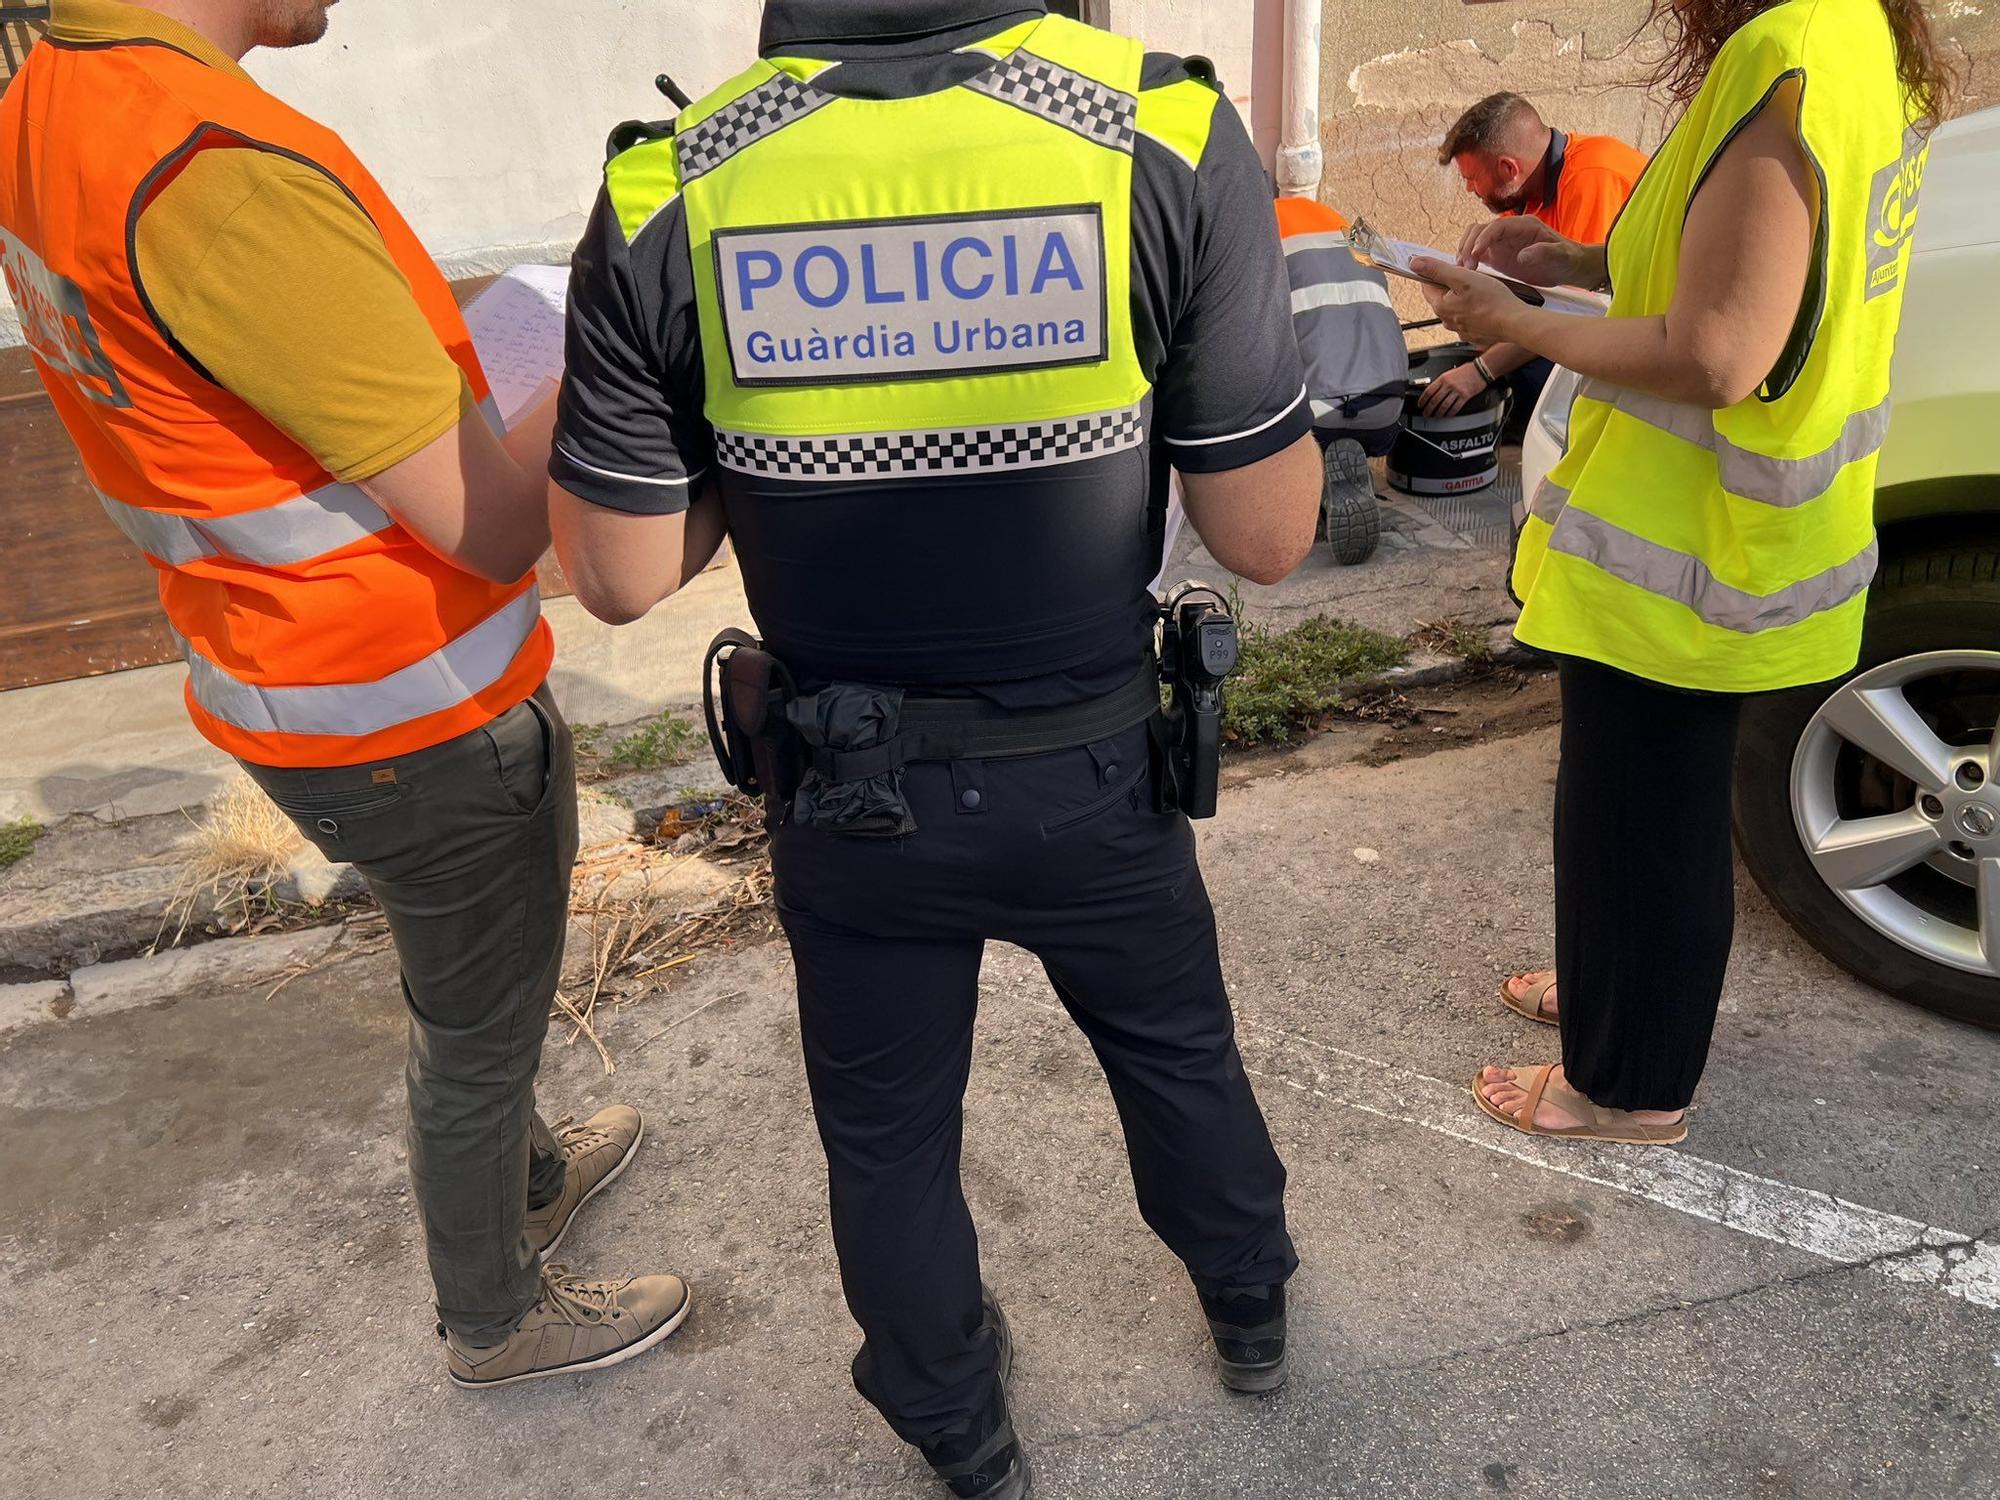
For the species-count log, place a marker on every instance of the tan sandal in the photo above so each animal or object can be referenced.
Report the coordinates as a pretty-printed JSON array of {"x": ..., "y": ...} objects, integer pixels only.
[
  {"x": 1530, "y": 1004},
  {"x": 1597, "y": 1123}
]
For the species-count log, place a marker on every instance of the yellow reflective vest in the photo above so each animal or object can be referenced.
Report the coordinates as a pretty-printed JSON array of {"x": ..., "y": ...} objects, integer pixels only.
[
  {"x": 866, "y": 314},
  {"x": 1732, "y": 550}
]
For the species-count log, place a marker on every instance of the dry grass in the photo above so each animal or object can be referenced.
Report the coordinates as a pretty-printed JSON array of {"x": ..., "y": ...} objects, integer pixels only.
[
  {"x": 1454, "y": 636},
  {"x": 641, "y": 931},
  {"x": 241, "y": 843}
]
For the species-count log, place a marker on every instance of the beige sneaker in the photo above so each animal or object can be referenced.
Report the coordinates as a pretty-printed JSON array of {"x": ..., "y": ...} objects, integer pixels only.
[
  {"x": 595, "y": 1153},
  {"x": 577, "y": 1325}
]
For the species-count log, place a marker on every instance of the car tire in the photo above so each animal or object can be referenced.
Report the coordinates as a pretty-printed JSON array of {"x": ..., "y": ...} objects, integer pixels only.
[
  {"x": 1934, "y": 599},
  {"x": 1349, "y": 512}
]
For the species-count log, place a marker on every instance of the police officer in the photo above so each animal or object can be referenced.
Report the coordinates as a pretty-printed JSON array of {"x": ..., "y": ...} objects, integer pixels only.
[{"x": 921, "y": 308}]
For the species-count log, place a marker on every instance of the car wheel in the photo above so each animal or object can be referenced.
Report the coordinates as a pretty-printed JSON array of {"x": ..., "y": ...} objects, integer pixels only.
[
  {"x": 1350, "y": 514},
  {"x": 1870, "y": 813}
]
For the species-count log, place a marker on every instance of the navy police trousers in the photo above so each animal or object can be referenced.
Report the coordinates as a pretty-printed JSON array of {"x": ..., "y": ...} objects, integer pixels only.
[{"x": 1063, "y": 855}]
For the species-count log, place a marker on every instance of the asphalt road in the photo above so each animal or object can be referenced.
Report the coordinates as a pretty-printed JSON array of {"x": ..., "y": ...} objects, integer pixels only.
[{"x": 215, "y": 1288}]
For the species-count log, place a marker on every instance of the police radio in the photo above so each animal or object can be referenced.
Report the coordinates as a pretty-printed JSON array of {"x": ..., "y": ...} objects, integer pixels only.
[{"x": 1198, "y": 649}]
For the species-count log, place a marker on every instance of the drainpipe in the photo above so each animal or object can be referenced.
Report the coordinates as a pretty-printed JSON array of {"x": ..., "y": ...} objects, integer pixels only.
[{"x": 1300, "y": 163}]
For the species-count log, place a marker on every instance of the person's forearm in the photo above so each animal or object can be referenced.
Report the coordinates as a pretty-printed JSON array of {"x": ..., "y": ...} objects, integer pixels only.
[
  {"x": 1504, "y": 359},
  {"x": 706, "y": 528},
  {"x": 528, "y": 443},
  {"x": 1593, "y": 270},
  {"x": 1636, "y": 353},
  {"x": 531, "y": 437}
]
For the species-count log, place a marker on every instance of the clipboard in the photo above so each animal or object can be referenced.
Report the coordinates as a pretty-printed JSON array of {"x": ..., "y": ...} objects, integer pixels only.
[{"x": 1393, "y": 257}]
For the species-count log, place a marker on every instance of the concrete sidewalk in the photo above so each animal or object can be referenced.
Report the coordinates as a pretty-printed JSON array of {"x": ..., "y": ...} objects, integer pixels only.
[
  {"x": 120, "y": 746},
  {"x": 217, "y": 1289}
]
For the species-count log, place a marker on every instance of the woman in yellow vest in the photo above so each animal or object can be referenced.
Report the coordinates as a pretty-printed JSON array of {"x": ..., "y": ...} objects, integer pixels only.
[{"x": 1710, "y": 531}]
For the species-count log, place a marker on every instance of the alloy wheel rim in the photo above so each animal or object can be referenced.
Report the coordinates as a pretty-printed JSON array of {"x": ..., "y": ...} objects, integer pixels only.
[{"x": 1926, "y": 875}]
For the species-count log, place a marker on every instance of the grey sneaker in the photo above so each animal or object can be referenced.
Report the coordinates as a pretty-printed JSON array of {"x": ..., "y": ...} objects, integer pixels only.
[
  {"x": 577, "y": 1325},
  {"x": 594, "y": 1153}
]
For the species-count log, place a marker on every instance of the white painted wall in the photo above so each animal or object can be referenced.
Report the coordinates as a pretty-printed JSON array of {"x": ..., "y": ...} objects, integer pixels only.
[
  {"x": 1243, "y": 38},
  {"x": 486, "y": 119}
]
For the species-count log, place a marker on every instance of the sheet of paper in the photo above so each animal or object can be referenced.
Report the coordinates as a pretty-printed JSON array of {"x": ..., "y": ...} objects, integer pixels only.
[
  {"x": 1395, "y": 256},
  {"x": 517, "y": 327}
]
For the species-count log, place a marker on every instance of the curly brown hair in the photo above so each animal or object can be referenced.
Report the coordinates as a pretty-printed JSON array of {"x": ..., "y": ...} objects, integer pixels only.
[{"x": 1695, "y": 30}]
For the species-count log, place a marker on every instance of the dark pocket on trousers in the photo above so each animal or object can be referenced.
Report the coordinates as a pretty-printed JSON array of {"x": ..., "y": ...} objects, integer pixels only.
[
  {"x": 352, "y": 802},
  {"x": 523, "y": 741},
  {"x": 1122, "y": 792},
  {"x": 337, "y": 819}
]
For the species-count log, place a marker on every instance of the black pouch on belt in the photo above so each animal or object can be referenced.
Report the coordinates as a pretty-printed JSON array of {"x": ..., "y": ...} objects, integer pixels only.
[
  {"x": 844, "y": 718},
  {"x": 752, "y": 739}
]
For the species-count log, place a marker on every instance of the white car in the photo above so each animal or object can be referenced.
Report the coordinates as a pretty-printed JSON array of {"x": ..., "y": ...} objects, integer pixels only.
[{"x": 1869, "y": 809}]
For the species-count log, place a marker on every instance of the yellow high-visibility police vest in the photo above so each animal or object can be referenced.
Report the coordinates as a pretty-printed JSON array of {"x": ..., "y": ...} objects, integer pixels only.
[
  {"x": 866, "y": 313},
  {"x": 1732, "y": 550}
]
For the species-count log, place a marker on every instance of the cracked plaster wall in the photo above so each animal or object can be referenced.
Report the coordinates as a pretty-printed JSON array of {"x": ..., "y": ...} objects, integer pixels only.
[{"x": 1394, "y": 76}]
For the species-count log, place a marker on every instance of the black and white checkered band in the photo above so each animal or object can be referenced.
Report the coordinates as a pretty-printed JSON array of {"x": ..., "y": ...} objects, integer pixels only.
[
  {"x": 773, "y": 104},
  {"x": 1095, "y": 111},
  {"x": 943, "y": 451}
]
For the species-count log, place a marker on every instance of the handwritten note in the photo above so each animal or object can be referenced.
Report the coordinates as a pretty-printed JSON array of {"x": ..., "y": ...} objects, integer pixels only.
[{"x": 517, "y": 327}]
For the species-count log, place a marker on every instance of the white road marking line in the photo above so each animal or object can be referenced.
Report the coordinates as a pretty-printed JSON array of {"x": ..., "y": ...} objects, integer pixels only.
[{"x": 1799, "y": 1218}]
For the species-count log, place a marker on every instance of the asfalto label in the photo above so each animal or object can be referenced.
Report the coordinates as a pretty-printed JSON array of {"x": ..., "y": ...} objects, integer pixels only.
[{"x": 908, "y": 299}]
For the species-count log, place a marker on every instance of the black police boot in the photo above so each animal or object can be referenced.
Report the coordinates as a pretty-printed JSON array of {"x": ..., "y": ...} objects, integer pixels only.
[
  {"x": 1248, "y": 1326},
  {"x": 982, "y": 1459}
]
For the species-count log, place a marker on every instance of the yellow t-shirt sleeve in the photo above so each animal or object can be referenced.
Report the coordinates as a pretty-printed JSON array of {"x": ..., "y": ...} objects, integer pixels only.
[{"x": 275, "y": 281}]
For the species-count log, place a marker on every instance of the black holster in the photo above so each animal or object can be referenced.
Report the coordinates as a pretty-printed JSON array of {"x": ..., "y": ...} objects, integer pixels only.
[{"x": 754, "y": 743}]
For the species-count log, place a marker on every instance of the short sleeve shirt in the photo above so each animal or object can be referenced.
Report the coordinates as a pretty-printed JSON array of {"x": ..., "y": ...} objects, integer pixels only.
[
  {"x": 238, "y": 241},
  {"x": 1211, "y": 318}
]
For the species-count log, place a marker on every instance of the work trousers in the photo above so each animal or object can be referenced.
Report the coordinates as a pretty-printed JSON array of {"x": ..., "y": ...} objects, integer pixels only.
[
  {"x": 1063, "y": 855},
  {"x": 467, "y": 847},
  {"x": 1645, "y": 883}
]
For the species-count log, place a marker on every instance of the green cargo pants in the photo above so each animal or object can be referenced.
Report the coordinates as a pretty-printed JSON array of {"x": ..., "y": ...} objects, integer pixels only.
[{"x": 467, "y": 847}]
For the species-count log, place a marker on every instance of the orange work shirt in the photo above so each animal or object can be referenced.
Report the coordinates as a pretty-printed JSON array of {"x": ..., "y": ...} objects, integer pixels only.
[{"x": 1596, "y": 177}]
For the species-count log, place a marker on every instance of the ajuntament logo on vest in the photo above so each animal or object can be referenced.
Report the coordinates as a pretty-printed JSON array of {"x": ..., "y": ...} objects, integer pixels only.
[
  {"x": 1892, "y": 213},
  {"x": 55, "y": 322},
  {"x": 913, "y": 298}
]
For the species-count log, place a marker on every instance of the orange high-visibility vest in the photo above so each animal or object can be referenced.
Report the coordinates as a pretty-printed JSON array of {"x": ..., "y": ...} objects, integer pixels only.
[{"x": 317, "y": 630}]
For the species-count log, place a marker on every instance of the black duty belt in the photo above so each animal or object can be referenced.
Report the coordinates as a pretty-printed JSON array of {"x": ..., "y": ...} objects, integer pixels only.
[{"x": 977, "y": 729}]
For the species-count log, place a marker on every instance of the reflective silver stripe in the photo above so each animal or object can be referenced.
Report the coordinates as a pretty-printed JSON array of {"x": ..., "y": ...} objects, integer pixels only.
[
  {"x": 1331, "y": 239},
  {"x": 771, "y": 105},
  {"x": 168, "y": 539},
  {"x": 1754, "y": 476},
  {"x": 1062, "y": 96},
  {"x": 1308, "y": 267},
  {"x": 1686, "y": 579},
  {"x": 1338, "y": 294},
  {"x": 1384, "y": 411},
  {"x": 1548, "y": 502},
  {"x": 942, "y": 450},
  {"x": 442, "y": 680},
  {"x": 292, "y": 531}
]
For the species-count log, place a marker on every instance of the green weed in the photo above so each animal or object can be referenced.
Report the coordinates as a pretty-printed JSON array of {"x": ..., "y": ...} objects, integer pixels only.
[
  {"x": 17, "y": 839},
  {"x": 1288, "y": 681},
  {"x": 665, "y": 741}
]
